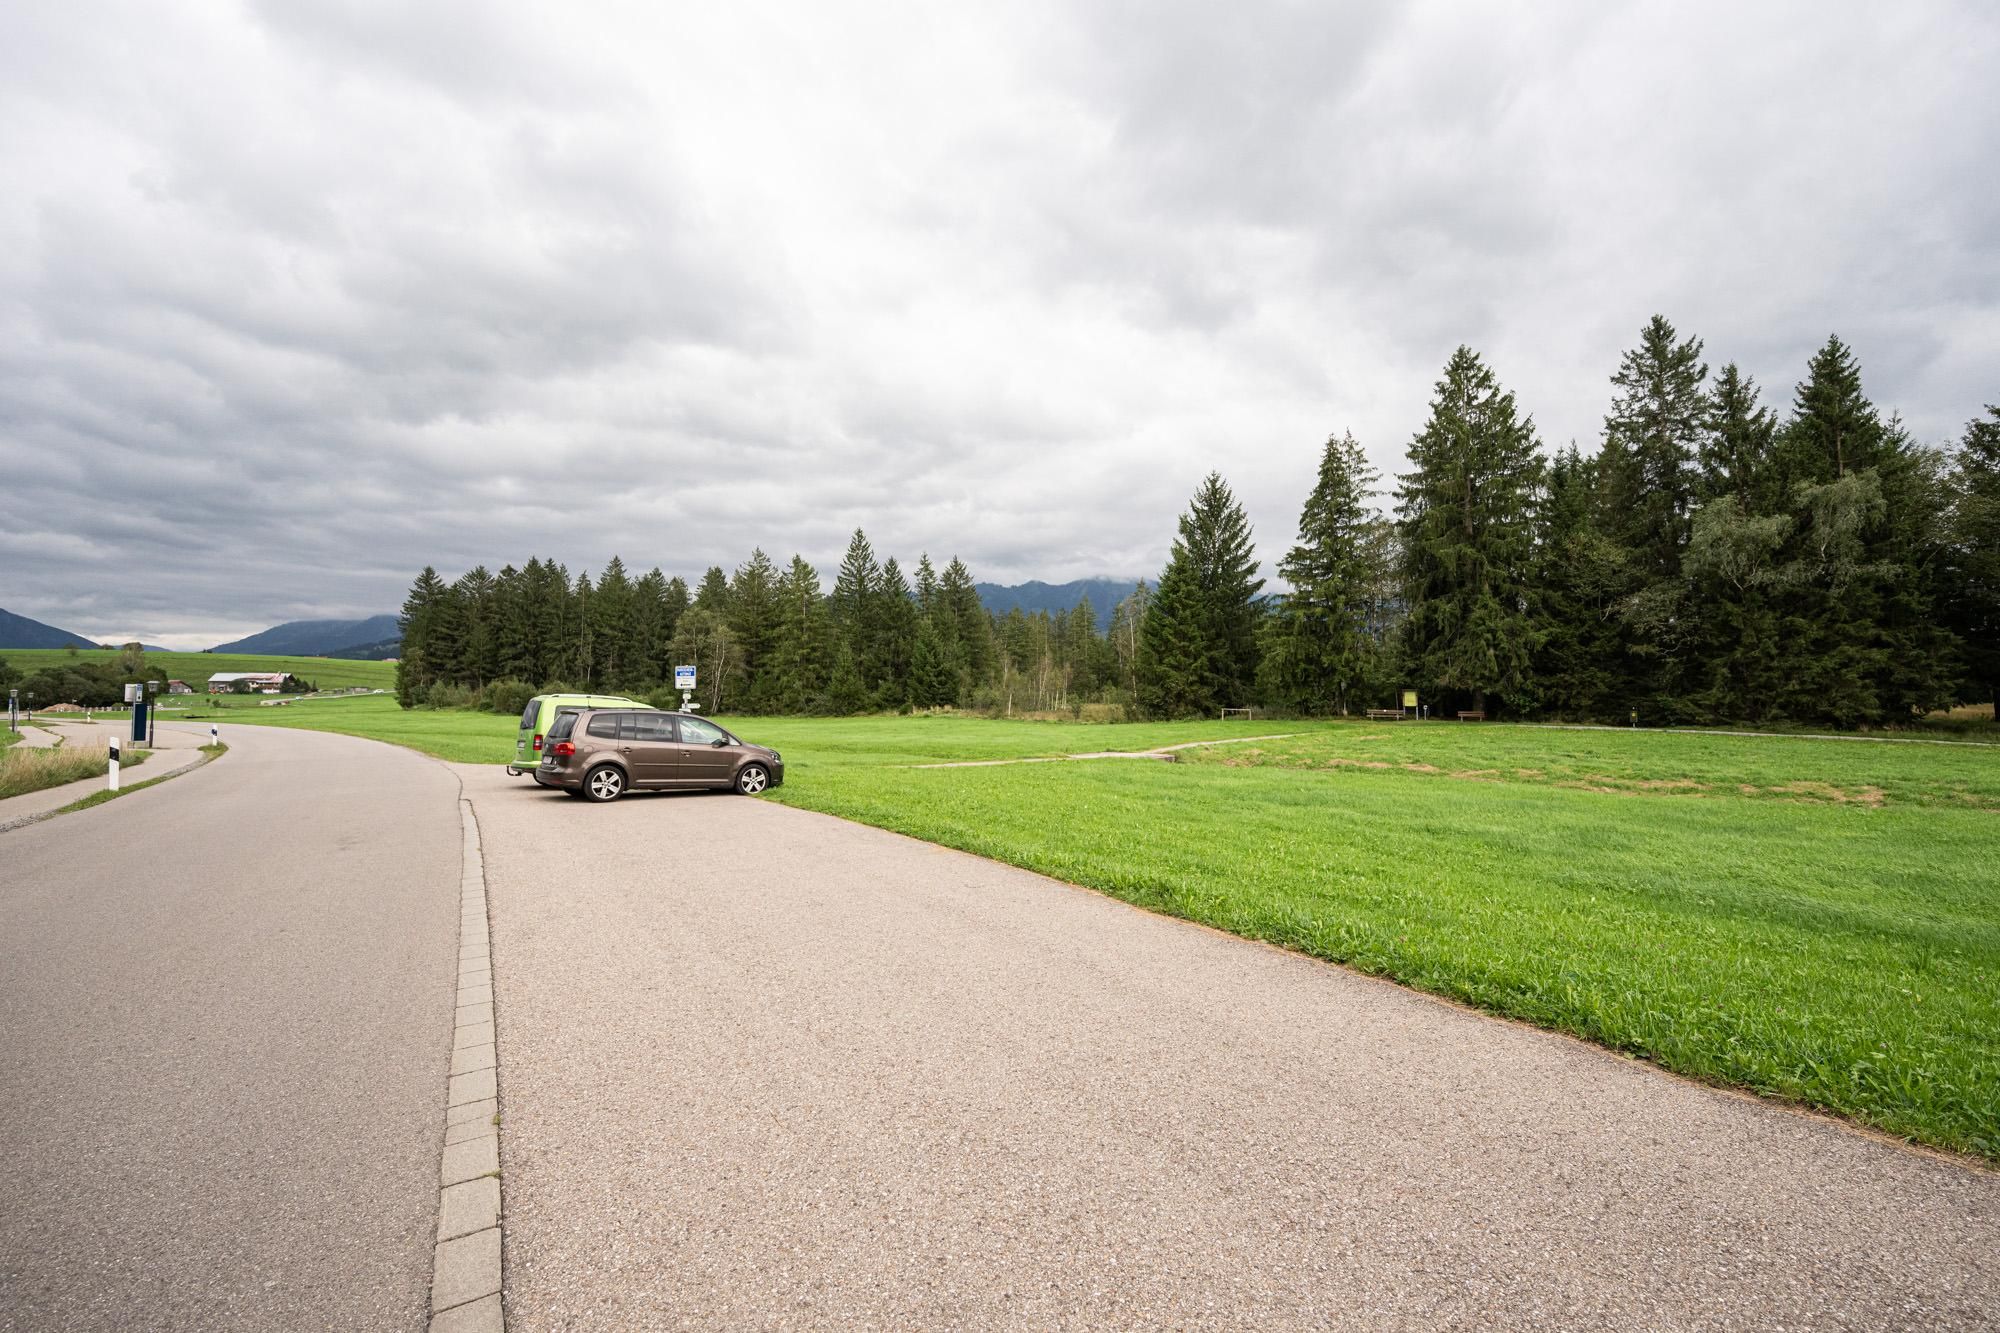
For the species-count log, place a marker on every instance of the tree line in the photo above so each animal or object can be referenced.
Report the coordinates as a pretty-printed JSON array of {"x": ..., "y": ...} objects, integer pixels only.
[
  {"x": 1710, "y": 561},
  {"x": 764, "y": 639}
]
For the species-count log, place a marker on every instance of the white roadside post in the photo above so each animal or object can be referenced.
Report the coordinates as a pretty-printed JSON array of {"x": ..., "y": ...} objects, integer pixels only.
[
  {"x": 214, "y": 737},
  {"x": 114, "y": 763},
  {"x": 684, "y": 682}
]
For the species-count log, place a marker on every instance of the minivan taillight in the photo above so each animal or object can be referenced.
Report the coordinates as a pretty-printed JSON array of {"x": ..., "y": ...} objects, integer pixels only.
[
  {"x": 563, "y": 750},
  {"x": 538, "y": 740}
]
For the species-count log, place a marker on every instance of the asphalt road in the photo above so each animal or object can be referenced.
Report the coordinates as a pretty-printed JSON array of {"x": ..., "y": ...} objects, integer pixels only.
[
  {"x": 225, "y": 1023},
  {"x": 764, "y": 1069}
]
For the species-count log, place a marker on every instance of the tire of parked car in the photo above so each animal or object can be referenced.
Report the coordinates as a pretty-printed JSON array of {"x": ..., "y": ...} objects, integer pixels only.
[
  {"x": 604, "y": 783},
  {"x": 752, "y": 779}
]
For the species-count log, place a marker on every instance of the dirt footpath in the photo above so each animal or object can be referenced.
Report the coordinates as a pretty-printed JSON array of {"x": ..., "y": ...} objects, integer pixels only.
[{"x": 762, "y": 1068}]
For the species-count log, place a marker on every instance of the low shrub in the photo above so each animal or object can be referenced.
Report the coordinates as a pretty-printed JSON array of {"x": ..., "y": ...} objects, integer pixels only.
[
  {"x": 441, "y": 695},
  {"x": 507, "y": 697}
]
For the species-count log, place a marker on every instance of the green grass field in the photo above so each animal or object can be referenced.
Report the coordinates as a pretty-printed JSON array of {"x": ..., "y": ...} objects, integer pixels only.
[
  {"x": 329, "y": 673},
  {"x": 1818, "y": 920}
]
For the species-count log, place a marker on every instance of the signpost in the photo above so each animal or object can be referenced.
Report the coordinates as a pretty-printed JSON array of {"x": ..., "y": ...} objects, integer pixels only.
[
  {"x": 1409, "y": 701},
  {"x": 13, "y": 710},
  {"x": 684, "y": 682},
  {"x": 135, "y": 695}
]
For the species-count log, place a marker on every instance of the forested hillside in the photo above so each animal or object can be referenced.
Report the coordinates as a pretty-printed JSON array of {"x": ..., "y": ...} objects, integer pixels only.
[{"x": 1711, "y": 561}]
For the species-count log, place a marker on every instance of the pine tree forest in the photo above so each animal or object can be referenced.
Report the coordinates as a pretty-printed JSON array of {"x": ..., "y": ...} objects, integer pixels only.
[{"x": 1714, "y": 559}]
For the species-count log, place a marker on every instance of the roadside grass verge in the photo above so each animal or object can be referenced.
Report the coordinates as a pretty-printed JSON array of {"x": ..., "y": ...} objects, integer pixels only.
[
  {"x": 100, "y": 797},
  {"x": 23, "y": 770}
]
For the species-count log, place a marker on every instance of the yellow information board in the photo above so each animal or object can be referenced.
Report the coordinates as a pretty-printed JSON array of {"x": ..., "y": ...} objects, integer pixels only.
[{"x": 1409, "y": 698}]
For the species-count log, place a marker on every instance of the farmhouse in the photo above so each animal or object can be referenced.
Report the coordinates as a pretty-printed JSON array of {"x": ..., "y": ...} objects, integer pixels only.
[
  {"x": 179, "y": 687},
  {"x": 234, "y": 682}
]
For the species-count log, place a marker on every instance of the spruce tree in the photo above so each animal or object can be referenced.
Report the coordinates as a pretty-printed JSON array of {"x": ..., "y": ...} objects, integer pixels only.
[
  {"x": 646, "y": 629},
  {"x": 896, "y": 615},
  {"x": 611, "y": 627},
  {"x": 1581, "y": 575},
  {"x": 753, "y": 615},
  {"x": 479, "y": 655},
  {"x": 1318, "y": 650},
  {"x": 933, "y": 679},
  {"x": 1735, "y": 452},
  {"x": 800, "y": 649},
  {"x": 418, "y": 625},
  {"x": 969, "y": 629},
  {"x": 1199, "y": 648},
  {"x": 1973, "y": 598},
  {"x": 1658, "y": 422},
  {"x": 713, "y": 592},
  {"x": 1466, "y": 518},
  {"x": 852, "y": 605},
  {"x": 1867, "y": 509}
]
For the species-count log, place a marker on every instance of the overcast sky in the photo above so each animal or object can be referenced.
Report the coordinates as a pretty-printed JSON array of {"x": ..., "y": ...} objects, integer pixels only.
[{"x": 296, "y": 298}]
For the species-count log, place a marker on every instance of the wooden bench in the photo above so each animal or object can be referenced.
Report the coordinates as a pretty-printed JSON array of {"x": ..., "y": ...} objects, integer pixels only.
[
  {"x": 1474, "y": 716},
  {"x": 1385, "y": 715}
]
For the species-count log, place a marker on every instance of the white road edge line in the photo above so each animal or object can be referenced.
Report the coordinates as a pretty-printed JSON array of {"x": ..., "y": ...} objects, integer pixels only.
[{"x": 465, "y": 1270}]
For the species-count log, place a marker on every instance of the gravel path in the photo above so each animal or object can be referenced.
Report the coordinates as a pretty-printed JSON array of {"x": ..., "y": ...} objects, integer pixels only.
[
  {"x": 226, "y": 1017},
  {"x": 762, "y": 1068}
]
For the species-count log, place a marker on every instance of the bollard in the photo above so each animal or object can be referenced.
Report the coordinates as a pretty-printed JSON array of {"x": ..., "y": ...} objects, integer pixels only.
[
  {"x": 214, "y": 738},
  {"x": 114, "y": 763}
]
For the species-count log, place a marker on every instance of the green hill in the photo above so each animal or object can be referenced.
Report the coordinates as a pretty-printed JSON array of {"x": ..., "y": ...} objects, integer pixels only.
[{"x": 328, "y": 673}]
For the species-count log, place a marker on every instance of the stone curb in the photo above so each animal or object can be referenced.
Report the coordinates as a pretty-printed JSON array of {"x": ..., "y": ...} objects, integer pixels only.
[{"x": 466, "y": 1265}]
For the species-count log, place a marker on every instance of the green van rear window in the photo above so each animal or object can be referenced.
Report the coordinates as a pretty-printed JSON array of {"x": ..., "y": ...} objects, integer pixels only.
[{"x": 528, "y": 714}]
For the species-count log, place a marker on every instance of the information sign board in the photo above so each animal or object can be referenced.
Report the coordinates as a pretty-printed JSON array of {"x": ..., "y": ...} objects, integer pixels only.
[{"x": 683, "y": 677}]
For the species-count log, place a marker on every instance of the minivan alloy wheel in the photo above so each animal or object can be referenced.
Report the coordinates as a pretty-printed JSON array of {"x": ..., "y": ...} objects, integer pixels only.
[
  {"x": 604, "y": 784},
  {"x": 752, "y": 779}
]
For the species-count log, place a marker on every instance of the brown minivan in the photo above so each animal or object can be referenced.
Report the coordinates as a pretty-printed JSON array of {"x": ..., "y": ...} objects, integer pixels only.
[{"x": 602, "y": 753}]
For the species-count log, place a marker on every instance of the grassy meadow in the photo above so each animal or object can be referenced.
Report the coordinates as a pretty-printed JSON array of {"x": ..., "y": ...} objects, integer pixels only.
[{"x": 1815, "y": 919}]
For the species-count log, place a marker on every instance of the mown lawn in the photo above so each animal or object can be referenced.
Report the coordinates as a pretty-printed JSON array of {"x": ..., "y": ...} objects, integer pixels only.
[{"x": 1817, "y": 920}]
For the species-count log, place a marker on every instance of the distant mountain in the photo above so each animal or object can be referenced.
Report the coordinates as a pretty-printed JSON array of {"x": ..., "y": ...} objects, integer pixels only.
[
  {"x": 379, "y": 651},
  {"x": 315, "y": 638},
  {"x": 1105, "y": 594},
  {"x": 21, "y": 632}
]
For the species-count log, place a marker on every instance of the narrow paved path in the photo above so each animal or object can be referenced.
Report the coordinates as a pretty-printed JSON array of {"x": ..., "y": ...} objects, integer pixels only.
[
  {"x": 762, "y": 1068},
  {"x": 225, "y": 1021}
]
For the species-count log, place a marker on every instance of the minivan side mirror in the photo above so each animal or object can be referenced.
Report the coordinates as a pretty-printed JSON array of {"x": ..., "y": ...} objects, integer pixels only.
[{"x": 717, "y": 743}]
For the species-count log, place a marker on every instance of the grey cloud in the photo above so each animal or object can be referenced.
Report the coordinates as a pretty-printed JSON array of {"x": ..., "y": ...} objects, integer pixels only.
[{"x": 299, "y": 298}]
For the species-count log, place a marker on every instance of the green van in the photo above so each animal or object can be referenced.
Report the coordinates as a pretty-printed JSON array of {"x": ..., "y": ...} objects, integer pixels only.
[{"x": 540, "y": 715}]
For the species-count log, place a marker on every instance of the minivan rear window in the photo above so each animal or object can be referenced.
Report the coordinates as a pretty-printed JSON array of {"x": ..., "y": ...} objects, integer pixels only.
[
  {"x": 564, "y": 724},
  {"x": 528, "y": 714}
]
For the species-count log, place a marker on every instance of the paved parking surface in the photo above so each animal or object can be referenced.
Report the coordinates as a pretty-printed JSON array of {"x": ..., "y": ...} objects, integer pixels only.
[{"x": 760, "y": 1068}]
